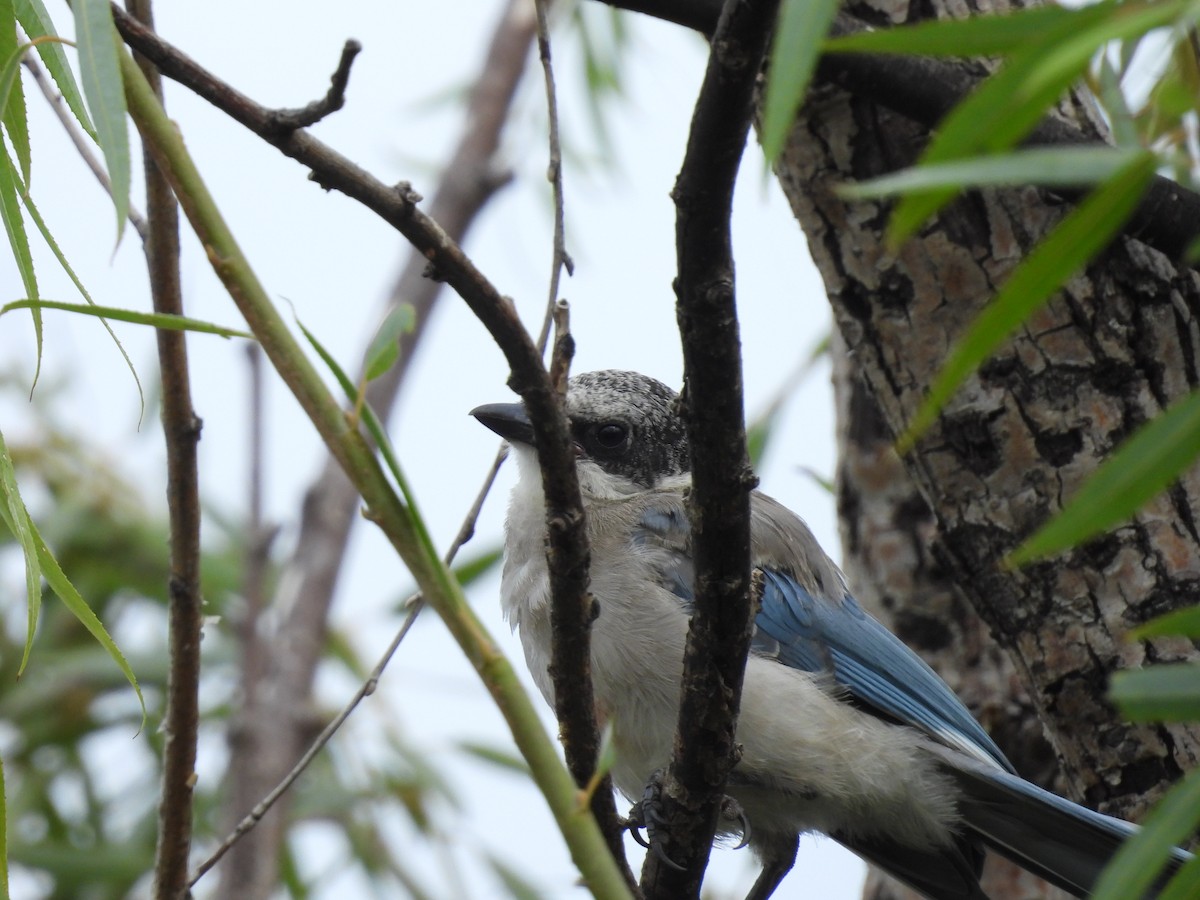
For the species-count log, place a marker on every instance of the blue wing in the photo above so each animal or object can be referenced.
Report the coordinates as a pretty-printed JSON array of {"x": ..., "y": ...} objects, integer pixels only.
[
  {"x": 876, "y": 667},
  {"x": 825, "y": 633}
]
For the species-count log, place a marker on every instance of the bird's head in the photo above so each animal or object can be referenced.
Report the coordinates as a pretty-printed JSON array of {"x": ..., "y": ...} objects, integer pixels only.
[{"x": 626, "y": 429}]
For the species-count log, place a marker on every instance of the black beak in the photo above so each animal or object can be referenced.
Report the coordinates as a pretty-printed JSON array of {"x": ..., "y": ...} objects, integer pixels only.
[{"x": 506, "y": 419}]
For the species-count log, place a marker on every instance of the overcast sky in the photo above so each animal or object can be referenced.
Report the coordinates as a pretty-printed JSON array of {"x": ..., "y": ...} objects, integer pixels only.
[{"x": 334, "y": 262}]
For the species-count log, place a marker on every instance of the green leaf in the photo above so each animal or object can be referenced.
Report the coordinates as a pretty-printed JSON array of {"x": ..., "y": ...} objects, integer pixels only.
[
  {"x": 1075, "y": 240},
  {"x": 1134, "y": 868},
  {"x": 995, "y": 35},
  {"x": 518, "y": 886},
  {"x": 1181, "y": 622},
  {"x": 385, "y": 346},
  {"x": 36, "y": 23},
  {"x": 34, "y": 214},
  {"x": 374, "y": 427},
  {"x": 479, "y": 564},
  {"x": 496, "y": 756},
  {"x": 1186, "y": 883},
  {"x": 39, "y": 563},
  {"x": 12, "y": 94},
  {"x": 18, "y": 240},
  {"x": 1143, "y": 466},
  {"x": 77, "y": 606},
  {"x": 3, "y": 835},
  {"x": 1006, "y": 107},
  {"x": 101, "y": 72},
  {"x": 1166, "y": 692},
  {"x": 155, "y": 320},
  {"x": 1063, "y": 166},
  {"x": 794, "y": 51},
  {"x": 16, "y": 517}
]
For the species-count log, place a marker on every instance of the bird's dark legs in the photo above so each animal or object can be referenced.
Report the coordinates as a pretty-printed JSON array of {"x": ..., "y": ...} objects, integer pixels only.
[{"x": 778, "y": 858}]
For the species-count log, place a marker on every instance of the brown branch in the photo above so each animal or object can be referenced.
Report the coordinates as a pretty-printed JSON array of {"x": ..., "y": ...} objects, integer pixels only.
[
  {"x": 330, "y": 509},
  {"x": 181, "y": 429},
  {"x": 567, "y": 546},
  {"x": 719, "y": 502},
  {"x": 573, "y": 609},
  {"x": 925, "y": 90},
  {"x": 333, "y": 100}
]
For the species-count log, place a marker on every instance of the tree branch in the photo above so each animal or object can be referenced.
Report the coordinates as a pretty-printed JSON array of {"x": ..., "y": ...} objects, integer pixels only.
[
  {"x": 925, "y": 90},
  {"x": 567, "y": 540},
  {"x": 719, "y": 503},
  {"x": 181, "y": 430},
  {"x": 333, "y": 100},
  {"x": 395, "y": 519}
]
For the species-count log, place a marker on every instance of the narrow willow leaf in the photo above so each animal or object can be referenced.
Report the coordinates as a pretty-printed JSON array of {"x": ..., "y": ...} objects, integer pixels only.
[
  {"x": 1186, "y": 883},
  {"x": 36, "y": 23},
  {"x": 1182, "y": 622},
  {"x": 101, "y": 73},
  {"x": 478, "y": 565},
  {"x": 16, "y": 518},
  {"x": 1143, "y": 466},
  {"x": 3, "y": 835},
  {"x": 1137, "y": 864},
  {"x": 1049, "y": 166},
  {"x": 1169, "y": 692},
  {"x": 40, "y": 563},
  {"x": 497, "y": 756},
  {"x": 78, "y": 607},
  {"x": 36, "y": 216},
  {"x": 12, "y": 93},
  {"x": 518, "y": 886},
  {"x": 994, "y": 35},
  {"x": 1075, "y": 240},
  {"x": 374, "y": 428},
  {"x": 1006, "y": 107},
  {"x": 14, "y": 224},
  {"x": 803, "y": 24},
  {"x": 154, "y": 320},
  {"x": 385, "y": 346}
]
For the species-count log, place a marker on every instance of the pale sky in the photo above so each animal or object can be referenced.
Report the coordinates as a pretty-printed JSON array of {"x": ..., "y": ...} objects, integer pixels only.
[{"x": 334, "y": 261}]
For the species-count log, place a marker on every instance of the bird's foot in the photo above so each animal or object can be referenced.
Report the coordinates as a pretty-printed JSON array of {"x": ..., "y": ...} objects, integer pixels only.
[
  {"x": 731, "y": 811},
  {"x": 647, "y": 813}
]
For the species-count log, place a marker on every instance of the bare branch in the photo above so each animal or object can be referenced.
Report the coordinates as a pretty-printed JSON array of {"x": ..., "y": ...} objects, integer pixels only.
[
  {"x": 568, "y": 554},
  {"x": 573, "y": 608},
  {"x": 181, "y": 429},
  {"x": 924, "y": 90},
  {"x": 333, "y": 100},
  {"x": 719, "y": 502}
]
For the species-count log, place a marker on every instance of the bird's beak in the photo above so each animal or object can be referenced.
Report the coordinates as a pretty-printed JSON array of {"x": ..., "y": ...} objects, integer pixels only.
[{"x": 506, "y": 419}]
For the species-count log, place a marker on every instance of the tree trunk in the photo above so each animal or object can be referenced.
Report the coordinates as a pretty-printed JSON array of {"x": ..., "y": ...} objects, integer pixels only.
[{"x": 1112, "y": 350}]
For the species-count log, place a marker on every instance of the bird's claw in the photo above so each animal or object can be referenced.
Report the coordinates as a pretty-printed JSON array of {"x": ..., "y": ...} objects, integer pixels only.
[
  {"x": 730, "y": 810},
  {"x": 647, "y": 813}
]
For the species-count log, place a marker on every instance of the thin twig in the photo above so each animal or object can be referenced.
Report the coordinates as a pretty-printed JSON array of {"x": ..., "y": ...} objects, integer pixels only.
[
  {"x": 414, "y": 605},
  {"x": 334, "y": 99},
  {"x": 181, "y": 429},
  {"x": 80, "y": 140}
]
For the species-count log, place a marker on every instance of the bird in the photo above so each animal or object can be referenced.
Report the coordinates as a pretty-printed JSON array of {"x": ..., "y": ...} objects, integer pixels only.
[{"x": 843, "y": 729}]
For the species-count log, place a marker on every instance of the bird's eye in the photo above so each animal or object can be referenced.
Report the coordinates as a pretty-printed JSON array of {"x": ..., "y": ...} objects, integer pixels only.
[{"x": 610, "y": 435}]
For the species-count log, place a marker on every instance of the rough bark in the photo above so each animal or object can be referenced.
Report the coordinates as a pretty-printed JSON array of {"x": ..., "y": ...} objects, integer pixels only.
[
  {"x": 887, "y": 532},
  {"x": 1112, "y": 350}
]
